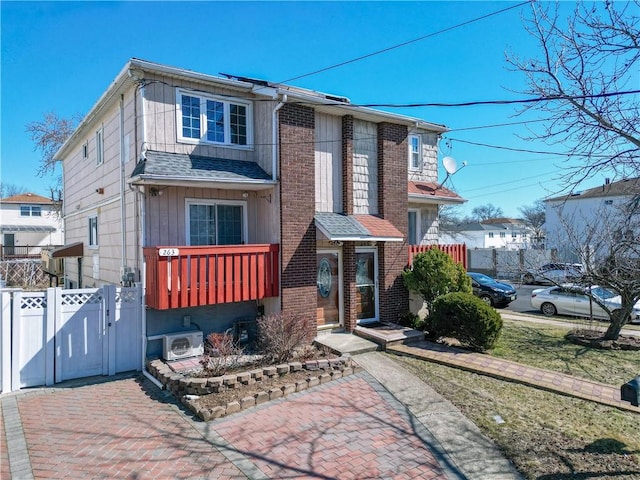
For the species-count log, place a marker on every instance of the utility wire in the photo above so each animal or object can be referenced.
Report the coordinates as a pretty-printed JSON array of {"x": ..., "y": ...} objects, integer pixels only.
[
  {"x": 548, "y": 98},
  {"x": 403, "y": 44},
  {"x": 521, "y": 149}
]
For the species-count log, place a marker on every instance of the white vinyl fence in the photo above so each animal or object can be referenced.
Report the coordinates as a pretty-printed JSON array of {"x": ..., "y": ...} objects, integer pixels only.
[
  {"x": 56, "y": 335},
  {"x": 506, "y": 264}
]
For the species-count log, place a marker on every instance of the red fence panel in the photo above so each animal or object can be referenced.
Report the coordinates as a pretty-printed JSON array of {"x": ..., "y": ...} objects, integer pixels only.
[
  {"x": 185, "y": 276},
  {"x": 458, "y": 252}
]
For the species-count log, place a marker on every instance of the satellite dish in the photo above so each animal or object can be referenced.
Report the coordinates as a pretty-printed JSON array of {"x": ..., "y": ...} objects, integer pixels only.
[{"x": 450, "y": 165}]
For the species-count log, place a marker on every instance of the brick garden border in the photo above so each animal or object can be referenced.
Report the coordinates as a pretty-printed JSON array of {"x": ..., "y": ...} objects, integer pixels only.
[{"x": 187, "y": 389}]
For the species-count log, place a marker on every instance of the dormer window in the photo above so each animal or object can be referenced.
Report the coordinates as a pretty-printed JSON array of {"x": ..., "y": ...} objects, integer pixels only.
[
  {"x": 216, "y": 120},
  {"x": 415, "y": 152}
]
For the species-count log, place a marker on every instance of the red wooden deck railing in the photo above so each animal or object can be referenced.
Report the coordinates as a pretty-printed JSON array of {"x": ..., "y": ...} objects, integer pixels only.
[
  {"x": 185, "y": 276},
  {"x": 456, "y": 251}
]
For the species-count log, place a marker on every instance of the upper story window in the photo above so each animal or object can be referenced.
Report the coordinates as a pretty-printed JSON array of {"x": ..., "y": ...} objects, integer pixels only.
[
  {"x": 514, "y": 234},
  {"x": 30, "y": 211},
  {"x": 503, "y": 234},
  {"x": 211, "y": 119},
  {"x": 99, "y": 146},
  {"x": 490, "y": 234},
  {"x": 415, "y": 148}
]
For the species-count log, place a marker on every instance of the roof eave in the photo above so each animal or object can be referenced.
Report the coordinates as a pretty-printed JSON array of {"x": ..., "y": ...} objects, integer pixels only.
[
  {"x": 163, "y": 180},
  {"x": 435, "y": 199}
]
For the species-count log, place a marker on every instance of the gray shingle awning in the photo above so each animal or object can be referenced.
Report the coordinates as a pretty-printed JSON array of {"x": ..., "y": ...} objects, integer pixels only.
[
  {"x": 27, "y": 228},
  {"x": 163, "y": 168},
  {"x": 356, "y": 228}
]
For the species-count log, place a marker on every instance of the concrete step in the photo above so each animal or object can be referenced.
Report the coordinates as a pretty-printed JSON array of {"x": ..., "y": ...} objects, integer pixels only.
[
  {"x": 389, "y": 334},
  {"x": 346, "y": 343}
]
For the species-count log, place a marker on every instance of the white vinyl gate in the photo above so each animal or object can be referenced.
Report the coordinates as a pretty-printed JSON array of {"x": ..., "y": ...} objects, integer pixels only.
[{"x": 56, "y": 335}]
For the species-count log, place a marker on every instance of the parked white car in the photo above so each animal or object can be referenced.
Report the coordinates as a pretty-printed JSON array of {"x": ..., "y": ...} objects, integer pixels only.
[
  {"x": 573, "y": 300},
  {"x": 553, "y": 273}
]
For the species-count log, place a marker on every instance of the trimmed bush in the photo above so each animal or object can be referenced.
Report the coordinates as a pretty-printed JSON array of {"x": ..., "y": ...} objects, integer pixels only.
[
  {"x": 434, "y": 273},
  {"x": 467, "y": 319}
]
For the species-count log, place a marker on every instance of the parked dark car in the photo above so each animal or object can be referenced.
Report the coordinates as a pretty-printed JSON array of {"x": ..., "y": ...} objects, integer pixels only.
[{"x": 491, "y": 291}]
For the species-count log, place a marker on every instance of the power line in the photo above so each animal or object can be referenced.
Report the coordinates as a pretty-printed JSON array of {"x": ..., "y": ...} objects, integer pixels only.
[
  {"x": 520, "y": 149},
  {"x": 403, "y": 44},
  {"x": 495, "y": 125},
  {"x": 548, "y": 98}
]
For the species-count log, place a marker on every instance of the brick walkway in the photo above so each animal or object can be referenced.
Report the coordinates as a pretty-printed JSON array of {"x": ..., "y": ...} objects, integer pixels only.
[
  {"x": 346, "y": 429},
  {"x": 516, "y": 372},
  {"x": 123, "y": 428}
]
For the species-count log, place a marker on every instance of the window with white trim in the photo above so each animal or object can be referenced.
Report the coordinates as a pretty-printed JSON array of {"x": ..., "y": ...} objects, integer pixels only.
[
  {"x": 99, "y": 146},
  {"x": 216, "y": 222},
  {"x": 30, "y": 211},
  {"x": 85, "y": 150},
  {"x": 415, "y": 152},
  {"x": 217, "y": 120},
  {"x": 490, "y": 234},
  {"x": 413, "y": 233},
  {"x": 93, "y": 231},
  {"x": 503, "y": 234}
]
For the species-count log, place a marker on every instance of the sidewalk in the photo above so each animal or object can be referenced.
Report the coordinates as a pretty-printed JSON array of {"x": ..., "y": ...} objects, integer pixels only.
[{"x": 515, "y": 372}]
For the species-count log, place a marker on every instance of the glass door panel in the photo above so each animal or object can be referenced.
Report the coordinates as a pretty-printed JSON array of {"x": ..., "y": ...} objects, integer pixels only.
[
  {"x": 328, "y": 282},
  {"x": 366, "y": 290}
]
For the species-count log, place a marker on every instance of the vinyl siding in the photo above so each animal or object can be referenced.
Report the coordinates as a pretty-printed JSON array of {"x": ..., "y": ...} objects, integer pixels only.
[
  {"x": 365, "y": 168},
  {"x": 328, "y": 163}
]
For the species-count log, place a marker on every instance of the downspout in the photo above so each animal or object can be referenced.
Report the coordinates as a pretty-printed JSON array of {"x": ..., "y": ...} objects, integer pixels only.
[
  {"x": 142, "y": 241},
  {"x": 274, "y": 142},
  {"x": 123, "y": 224},
  {"x": 143, "y": 280}
]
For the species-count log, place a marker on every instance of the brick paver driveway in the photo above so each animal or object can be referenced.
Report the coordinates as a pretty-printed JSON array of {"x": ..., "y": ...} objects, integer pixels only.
[
  {"x": 116, "y": 429},
  {"x": 347, "y": 429}
]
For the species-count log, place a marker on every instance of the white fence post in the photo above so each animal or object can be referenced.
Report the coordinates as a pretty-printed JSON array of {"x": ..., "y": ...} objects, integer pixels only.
[
  {"x": 109, "y": 299},
  {"x": 50, "y": 333},
  {"x": 5, "y": 343}
]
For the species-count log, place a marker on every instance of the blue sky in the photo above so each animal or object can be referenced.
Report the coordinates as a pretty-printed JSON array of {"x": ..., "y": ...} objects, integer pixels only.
[{"x": 61, "y": 56}]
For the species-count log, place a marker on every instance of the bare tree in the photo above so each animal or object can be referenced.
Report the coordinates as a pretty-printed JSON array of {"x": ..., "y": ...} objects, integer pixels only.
[
  {"x": 486, "y": 212},
  {"x": 533, "y": 217},
  {"x": 9, "y": 190},
  {"x": 609, "y": 247},
  {"x": 587, "y": 73},
  {"x": 48, "y": 135}
]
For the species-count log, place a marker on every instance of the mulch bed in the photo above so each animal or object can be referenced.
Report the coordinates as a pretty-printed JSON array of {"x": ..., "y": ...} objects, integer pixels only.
[{"x": 589, "y": 338}]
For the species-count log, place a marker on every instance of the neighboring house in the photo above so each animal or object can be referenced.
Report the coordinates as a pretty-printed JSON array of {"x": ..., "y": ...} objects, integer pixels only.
[
  {"x": 505, "y": 233},
  {"x": 28, "y": 222},
  {"x": 232, "y": 197},
  {"x": 572, "y": 219}
]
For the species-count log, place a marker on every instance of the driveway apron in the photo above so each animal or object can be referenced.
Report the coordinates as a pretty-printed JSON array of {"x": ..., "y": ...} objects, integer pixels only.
[
  {"x": 350, "y": 428},
  {"x": 115, "y": 429}
]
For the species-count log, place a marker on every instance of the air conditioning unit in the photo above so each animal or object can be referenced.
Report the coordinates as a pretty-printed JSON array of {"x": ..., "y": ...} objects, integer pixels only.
[{"x": 182, "y": 345}]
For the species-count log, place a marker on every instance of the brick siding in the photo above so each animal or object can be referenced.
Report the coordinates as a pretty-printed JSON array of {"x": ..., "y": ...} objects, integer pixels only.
[
  {"x": 347, "y": 164},
  {"x": 297, "y": 200},
  {"x": 393, "y": 205}
]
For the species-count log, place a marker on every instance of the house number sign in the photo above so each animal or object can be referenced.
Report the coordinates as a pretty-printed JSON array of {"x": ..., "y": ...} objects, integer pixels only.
[{"x": 169, "y": 252}]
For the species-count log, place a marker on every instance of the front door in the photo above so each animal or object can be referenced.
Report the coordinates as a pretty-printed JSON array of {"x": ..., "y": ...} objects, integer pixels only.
[
  {"x": 367, "y": 284},
  {"x": 9, "y": 244},
  {"x": 329, "y": 282}
]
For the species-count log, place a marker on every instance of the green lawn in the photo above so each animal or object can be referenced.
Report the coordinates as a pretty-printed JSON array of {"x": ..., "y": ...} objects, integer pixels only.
[
  {"x": 544, "y": 346},
  {"x": 546, "y": 435}
]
